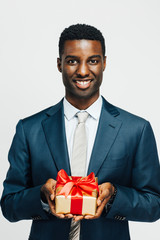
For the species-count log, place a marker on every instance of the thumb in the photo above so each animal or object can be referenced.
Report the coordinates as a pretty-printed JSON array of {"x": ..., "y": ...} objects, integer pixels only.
[
  {"x": 52, "y": 196},
  {"x": 49, "y": 189},
  {"x": 104, "y": 194}
]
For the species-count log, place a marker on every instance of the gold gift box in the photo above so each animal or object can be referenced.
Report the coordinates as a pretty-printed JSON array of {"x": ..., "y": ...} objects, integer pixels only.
[{"x": 89, "y": 206}]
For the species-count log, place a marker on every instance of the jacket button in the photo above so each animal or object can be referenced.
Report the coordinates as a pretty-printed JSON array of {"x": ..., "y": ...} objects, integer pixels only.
[
  {"x": 36, "y": 218},
  {"x": 120, "y": 218}
]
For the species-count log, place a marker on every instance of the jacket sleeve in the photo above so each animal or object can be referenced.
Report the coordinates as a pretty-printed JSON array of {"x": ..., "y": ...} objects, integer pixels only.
[
  {"x": 20, "y": 199},
  {"x": 141, "y": 200}
]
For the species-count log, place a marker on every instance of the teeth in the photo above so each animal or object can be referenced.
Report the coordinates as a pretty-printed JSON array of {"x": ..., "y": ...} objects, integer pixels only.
[{"x": 83, "y": 82}]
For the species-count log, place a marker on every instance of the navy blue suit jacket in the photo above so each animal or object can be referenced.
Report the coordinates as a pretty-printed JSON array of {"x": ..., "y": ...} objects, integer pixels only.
[{"x": 124, "y": 154}]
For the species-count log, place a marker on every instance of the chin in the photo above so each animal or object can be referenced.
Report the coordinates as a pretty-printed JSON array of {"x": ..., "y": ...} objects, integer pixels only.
[{"x": 85, "y": 95}]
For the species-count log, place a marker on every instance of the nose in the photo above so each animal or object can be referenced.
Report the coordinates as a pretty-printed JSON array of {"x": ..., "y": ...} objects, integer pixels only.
[{"x": 83, "y": 70}]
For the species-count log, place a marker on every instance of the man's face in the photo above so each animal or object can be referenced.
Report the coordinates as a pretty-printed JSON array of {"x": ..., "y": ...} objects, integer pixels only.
[{"x": 82, "y": 65}]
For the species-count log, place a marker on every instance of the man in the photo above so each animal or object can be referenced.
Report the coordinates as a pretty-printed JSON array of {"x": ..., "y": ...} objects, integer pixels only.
[{"x": 121, "y": 151}]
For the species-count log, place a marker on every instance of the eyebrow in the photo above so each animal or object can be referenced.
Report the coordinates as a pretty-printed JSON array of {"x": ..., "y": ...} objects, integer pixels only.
[
  {"x": 70, "y": 56},
  {"x": 95, "y": 56},
  {"x": 73, "y": 56}
]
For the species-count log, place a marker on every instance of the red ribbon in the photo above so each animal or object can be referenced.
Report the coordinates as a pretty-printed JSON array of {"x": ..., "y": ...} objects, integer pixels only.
[{"x": 75, "y": 187}]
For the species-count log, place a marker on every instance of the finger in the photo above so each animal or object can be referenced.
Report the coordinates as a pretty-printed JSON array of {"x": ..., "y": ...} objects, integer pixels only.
[
  {"x": 89, "y": 217},
  {"x": 100, "y": 189},
  {"x": 100, "y": 209},
  {"x": 52, "y": 209},
  {"x": 50, "y": 185},
  {"x": 69, "y": 215},
  {"x": 105, "y": 193},
  {"x": 52, "y": 196},
  {"x": 59, "y": 215},
  {"x": 78, "y": 217},
  {"x": 101, "y": 200},
  {"x": 51, "y": 205},
  {"x": 48, "y": 189}
]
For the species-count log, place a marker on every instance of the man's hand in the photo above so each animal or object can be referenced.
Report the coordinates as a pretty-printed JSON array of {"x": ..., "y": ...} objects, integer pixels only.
[
  {"x": 106, "y": 190},
  {"x": 48, "y": 193}
]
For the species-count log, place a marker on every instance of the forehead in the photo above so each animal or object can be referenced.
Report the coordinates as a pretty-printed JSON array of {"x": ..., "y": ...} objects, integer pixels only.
[{"x": 82, "y": 47}]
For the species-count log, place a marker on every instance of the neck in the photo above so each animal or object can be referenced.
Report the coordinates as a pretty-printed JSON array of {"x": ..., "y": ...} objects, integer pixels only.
[{"x": 82, "y": 103}]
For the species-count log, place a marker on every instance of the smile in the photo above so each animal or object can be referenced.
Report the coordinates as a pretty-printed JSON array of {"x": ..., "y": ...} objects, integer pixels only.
[{"x": 83, "y": 84}]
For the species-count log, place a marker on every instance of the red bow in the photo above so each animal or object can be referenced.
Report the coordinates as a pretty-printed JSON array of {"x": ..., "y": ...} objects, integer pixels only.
[{"x": 75, "y": 187}]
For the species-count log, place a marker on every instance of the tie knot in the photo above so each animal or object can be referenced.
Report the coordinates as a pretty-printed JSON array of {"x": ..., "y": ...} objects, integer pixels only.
[{"x": 82, "y": 117}]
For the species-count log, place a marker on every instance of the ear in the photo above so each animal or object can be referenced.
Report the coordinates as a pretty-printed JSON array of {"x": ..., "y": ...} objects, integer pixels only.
[
  {"x": 104, "y": 63},
  {"x": 59, "y": 64}
]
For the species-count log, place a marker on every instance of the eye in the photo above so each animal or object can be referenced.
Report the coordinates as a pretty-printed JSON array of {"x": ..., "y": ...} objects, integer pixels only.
[
  {"x": 72, "y": 61},
  {"x": 93, "y": 61}
]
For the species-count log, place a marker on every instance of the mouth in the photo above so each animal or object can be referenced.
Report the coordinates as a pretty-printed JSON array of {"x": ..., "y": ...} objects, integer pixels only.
[{"x": 83, "y": 84}]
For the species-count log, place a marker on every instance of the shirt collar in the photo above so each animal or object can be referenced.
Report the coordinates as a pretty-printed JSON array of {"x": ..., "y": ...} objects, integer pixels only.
[{"x": 94, "y": 110}]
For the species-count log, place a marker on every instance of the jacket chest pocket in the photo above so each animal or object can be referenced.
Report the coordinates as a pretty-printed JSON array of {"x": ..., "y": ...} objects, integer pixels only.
[{"x": 115, "y": 162}]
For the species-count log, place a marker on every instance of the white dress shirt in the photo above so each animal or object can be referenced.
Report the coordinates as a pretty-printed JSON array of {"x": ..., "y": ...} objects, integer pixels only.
[{"x": 91, "y": 125}]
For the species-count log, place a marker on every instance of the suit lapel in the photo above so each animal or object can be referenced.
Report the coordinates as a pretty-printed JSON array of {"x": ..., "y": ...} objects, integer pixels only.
[
  {"x": 106, "y": 134},
  {"x": 54, "y": 129}
]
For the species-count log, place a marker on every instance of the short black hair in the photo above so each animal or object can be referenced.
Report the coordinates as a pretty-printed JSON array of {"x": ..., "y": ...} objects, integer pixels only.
[{"x": 78, "y": 32}]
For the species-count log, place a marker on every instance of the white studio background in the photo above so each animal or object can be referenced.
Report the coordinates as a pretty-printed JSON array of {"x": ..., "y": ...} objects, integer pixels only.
[{"x": 30, "y": 82}]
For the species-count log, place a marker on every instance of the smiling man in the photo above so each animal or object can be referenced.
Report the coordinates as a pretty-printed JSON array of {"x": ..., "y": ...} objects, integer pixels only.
[
  {"x": 117, "y": 146},
  {"x": 82, "y": 64}
]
